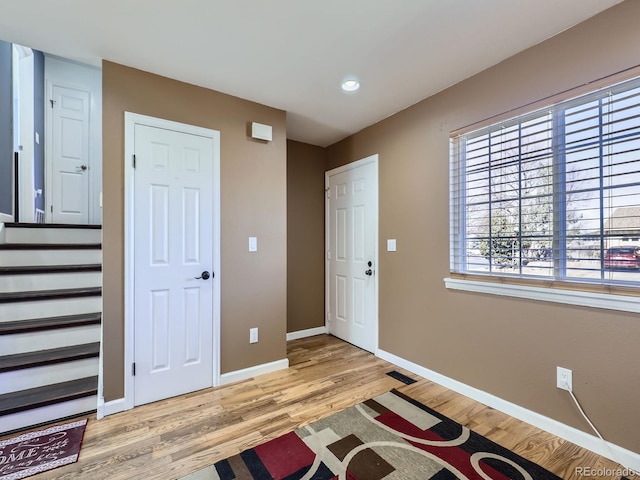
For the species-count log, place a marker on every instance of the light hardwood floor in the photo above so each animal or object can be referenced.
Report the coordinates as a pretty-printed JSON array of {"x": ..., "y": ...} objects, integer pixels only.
[{"x": 172, "y": 438}]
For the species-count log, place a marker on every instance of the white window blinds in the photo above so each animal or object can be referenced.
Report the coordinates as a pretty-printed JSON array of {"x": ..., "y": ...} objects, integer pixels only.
[{"x": 552, "y": 194}]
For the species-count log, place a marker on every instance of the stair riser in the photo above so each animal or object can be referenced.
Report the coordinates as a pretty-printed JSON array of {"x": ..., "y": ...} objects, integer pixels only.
[
  {"x": 52, "y": 235},
  {"x": 13, "y": 258},
  {"x": 49, "y": 308},
  {"x": 49, "y": 281},
  {"x": 36, "y": 416},
  {"x": 46, "y": 339},
  {"x": 47, "y": 375}
]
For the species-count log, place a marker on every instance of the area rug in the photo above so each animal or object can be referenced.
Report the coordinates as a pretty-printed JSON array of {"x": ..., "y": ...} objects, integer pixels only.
[
  {"x": 42, "y": 450},
  {"x": 391, "y": 437}
]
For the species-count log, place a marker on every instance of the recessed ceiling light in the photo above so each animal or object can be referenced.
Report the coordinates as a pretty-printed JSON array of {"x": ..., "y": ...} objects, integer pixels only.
[{"x": 350, "y": 85}]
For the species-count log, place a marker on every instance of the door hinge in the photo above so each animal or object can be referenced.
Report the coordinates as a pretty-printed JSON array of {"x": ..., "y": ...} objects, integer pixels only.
[
  {"x": 133, "y": 369},
  {"x": 51, "y": 208},
  {"x": 328, "y": 317},
  {"x": 328, "y": 255},
  {"x": 327, "y": 190},
  {"x": 134, "y": 160}
]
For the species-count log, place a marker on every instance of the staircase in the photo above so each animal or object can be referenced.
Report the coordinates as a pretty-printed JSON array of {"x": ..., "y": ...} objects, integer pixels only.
[{"x": 50, "y": 315}]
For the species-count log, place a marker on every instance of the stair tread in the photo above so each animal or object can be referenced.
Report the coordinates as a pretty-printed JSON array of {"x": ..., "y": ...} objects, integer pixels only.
[
  {"x": 47, "y": 395},
  {"x": 52, "y": 225},
  {"x": 49, "y": 323},
  {"x": 50, "y": 246},
  {"x": 34, "y": 295},
  {"x": 21, "y": 361},
  {"x": 37, "y": 269}
]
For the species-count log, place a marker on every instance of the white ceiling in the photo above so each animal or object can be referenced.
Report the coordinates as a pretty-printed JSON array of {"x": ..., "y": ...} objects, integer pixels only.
[{"x": 293, "y": 54}]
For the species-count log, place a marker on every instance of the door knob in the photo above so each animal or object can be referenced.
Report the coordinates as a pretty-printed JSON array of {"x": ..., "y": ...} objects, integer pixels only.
[
  {"x": 83, "y": 167},
  {"x": 368, "y": 272},
  {"x": 204, "y": 276}
]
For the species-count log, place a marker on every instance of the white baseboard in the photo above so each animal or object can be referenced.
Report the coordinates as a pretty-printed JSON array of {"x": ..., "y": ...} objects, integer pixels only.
[
  {"x": 310, "y": 332},
  {"x": 628, "y": 458},
  {"x": 111, "y": 407},
  {"x": 120, "y": 404},
  {"x": 254, "y": 371}
]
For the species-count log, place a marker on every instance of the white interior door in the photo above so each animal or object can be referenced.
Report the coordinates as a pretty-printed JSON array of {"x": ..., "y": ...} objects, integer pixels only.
[
  {"x": 70, "y": 155},
  {"x": 173, "y": 235},
  {"x": 352, "y": 232}
]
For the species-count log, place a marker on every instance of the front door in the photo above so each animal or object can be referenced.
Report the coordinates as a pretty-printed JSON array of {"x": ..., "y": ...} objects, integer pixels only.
[
  {"x": 70, "y": 155},
  {"x": 352, "y": 226},
  {"x": 173, "y": 231}
]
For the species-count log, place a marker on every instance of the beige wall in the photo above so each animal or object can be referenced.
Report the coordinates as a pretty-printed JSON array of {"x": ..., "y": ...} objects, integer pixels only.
[
  {"x": 305, "y": 236},
  {"x": 507, "y": 347},
  {"x": 253, "y": 203}
]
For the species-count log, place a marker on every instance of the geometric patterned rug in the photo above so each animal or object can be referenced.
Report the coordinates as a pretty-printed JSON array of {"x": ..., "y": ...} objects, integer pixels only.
[
  {"x": 42, "y": 450},
  {"x": 390, "y": 437}
]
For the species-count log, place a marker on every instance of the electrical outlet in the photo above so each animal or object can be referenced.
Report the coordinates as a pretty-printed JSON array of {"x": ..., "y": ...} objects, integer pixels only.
[
  {"x": 564, "y": 379},
  {"x": 253, "y": 335}
]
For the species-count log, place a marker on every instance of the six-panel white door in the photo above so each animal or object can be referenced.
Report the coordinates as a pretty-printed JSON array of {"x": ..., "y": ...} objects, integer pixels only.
[
  {"x": 173, "y": 230},
  {"x": 70, "y": 155},
  {"x": 352, "y": 212}
]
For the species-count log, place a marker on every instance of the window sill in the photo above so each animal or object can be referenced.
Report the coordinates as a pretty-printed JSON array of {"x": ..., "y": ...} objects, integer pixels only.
[{"x": 623, "y": 303}]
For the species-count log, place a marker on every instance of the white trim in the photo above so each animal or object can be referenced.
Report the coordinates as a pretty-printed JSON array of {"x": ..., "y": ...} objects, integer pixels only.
[
  {"x": 623, "y": 303},
  {"x": 6, "y": 218},
  {"x": 310, "y": 332},
  {"x": 112, "y": 407},
  {"x": 246, "y": 373},
  {"x": 335, "y": 171},
  {"x": 627, "y": 457},
  {"x": 130, "y": 121},
  {"x": 24, "y": 68},
  {"x": 100, "y": 407}
]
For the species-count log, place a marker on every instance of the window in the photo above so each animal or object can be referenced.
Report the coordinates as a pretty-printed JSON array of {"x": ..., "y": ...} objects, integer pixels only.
[{"x": 553, "y": 193}]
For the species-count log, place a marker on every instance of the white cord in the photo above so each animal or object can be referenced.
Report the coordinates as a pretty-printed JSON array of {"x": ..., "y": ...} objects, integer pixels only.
[{"x": 613, "y": 455}]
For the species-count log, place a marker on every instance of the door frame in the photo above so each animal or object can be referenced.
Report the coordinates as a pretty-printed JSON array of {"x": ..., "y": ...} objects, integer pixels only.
[
  {"x": 23, "y": 76},
  {"x": 65, "y": 73},
  {"x": 327, "y": 299},
  {"x": 131, "y": 120}
]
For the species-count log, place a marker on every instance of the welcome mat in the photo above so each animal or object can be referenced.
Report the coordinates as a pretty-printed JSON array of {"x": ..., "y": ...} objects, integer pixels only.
[
  {"x": 39, "y": 451},
  {"x": 390, "y": 436}
]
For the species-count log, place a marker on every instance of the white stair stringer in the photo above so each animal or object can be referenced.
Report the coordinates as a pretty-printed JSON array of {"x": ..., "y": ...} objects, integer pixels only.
[
  {"x": 49, "y": 281},
  {"x": 36, "y": 416},
  {"x": 53, "y": 235},
  {"x": 15, "y": 343}
]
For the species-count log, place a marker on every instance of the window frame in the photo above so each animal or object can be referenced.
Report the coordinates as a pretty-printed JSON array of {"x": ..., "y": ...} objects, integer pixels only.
[{"x": 530, "y": 286}]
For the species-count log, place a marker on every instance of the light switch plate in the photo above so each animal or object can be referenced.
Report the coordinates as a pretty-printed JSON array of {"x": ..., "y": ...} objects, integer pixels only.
[
  {"x": 253, "y": 244},
  {"x": 391, "y": 245}
]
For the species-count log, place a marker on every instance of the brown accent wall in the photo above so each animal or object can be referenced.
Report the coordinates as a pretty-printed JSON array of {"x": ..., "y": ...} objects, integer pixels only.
[
  {"x": 504, "y": 346},
  {"x": 253, "y": 203},
  {"x": 306, "y": 165}
]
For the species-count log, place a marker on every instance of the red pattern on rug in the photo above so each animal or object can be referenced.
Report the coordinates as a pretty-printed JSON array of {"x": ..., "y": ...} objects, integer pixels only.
[{"x": 389, "y": 435}]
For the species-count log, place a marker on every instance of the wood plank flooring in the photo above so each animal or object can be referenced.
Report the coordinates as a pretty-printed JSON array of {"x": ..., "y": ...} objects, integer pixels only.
[{"x": 172, "y": 438}]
